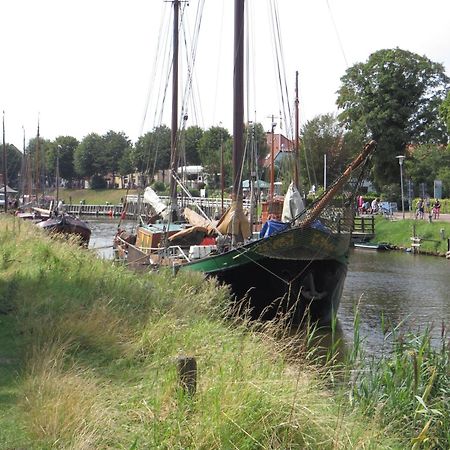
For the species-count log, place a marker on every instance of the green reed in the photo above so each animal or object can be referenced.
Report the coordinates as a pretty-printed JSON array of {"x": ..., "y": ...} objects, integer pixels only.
[{"x": 406, "y": 387}]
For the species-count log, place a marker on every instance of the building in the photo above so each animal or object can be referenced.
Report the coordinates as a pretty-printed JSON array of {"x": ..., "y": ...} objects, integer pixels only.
[{"x": 282, "y": 147}]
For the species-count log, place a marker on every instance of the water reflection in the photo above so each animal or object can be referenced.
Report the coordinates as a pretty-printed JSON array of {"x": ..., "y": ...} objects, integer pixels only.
[
  {"x": 103, "y": 231},
  {"x": 404, "y": 288}
]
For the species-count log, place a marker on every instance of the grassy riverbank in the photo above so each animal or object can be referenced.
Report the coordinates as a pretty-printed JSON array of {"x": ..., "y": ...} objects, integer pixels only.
[
  {"x": 399, "y": 233},
  {"x": 87, "y": 361}
]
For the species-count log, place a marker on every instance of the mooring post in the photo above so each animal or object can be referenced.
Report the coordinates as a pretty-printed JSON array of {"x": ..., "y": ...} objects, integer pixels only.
[{"x": 187, "y": 373}]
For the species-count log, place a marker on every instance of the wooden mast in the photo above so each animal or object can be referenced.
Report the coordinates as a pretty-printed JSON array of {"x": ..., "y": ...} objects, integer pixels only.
[
  {"x": 272, "y": 161},
  {"x": 174, "y": 125},
  {"x": 238, "y": 98},
  {"x": 234, "y": 222},
  {"x": 5, "y": 167},
  {"x": 296, "y": 139},
  {"x": 38, "y": 180},
  {"x": 58, "y": 148}
]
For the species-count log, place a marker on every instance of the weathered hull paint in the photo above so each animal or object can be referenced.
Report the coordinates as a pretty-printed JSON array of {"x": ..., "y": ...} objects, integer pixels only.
[{"x": 294, "y": 272}]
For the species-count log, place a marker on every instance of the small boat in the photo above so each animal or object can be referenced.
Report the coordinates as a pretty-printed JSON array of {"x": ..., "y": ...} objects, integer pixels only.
[
  {"x": 69, "y": 225},
  {"x": 372, "y": 246}
]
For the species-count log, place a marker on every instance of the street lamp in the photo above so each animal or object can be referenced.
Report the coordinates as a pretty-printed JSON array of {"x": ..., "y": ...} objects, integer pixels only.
[{"x": 400, "y": 161}]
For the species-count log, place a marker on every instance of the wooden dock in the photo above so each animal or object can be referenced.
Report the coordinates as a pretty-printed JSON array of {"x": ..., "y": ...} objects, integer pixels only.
[{"x": 363, "y": 228}]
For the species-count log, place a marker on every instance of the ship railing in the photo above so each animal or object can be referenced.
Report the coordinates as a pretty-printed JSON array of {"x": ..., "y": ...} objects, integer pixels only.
[{"x": 171, "y": 250}]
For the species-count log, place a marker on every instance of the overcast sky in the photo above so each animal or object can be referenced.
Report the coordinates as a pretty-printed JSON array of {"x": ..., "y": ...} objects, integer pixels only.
[{"x": 88, "y": 65}]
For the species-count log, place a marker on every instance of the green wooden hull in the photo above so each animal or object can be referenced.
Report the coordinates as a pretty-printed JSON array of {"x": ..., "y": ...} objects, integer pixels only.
[{"x": 297, "y": 270}]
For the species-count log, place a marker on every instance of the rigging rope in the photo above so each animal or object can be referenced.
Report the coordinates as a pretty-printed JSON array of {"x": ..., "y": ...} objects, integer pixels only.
[
  {"x": 219, "y": 59},
  {"x": 337, "y": 33},
  {"x": 280, "y": 67},
  {"x": 152, "y": 82}
]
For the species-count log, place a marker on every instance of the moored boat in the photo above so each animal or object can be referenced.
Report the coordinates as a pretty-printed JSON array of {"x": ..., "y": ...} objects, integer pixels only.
[
  {"x": 68, "y": 225},
  {"x": 372, "y": 246},
  {"x": 294, "y": 268}
]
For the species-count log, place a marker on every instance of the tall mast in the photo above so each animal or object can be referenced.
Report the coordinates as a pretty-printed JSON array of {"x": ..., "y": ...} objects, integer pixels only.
[
  {"x": 173, "y": 141},
  {"x": 238, "y": 97},
  {"x": 296, "y": 140},
  {"x": 38, "y": 165},
  {"x": 25, "y": 168},
  {"x": 5, "y": 168},
  {"x": 58, "y": 147},
  {"x": 272, "y": 160}
]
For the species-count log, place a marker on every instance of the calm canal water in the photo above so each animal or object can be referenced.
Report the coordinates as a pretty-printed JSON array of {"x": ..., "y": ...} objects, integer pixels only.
[{"x": 410, "y": 289}]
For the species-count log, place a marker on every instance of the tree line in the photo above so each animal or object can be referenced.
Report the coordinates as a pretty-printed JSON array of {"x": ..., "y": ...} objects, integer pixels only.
[{"x": 396, "y": 97}]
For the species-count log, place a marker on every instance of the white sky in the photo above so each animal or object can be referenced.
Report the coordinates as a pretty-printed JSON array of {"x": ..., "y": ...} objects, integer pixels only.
[{"x": 85, "y": 66}]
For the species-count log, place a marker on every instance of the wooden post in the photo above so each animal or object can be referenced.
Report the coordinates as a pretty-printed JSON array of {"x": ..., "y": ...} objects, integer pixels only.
[{"x": 187, "y": 373}]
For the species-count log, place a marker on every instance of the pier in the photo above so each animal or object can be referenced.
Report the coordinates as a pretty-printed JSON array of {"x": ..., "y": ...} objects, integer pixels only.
[
  {"x": 135, "y": 206},
  {"x": 363, "y": 228}
]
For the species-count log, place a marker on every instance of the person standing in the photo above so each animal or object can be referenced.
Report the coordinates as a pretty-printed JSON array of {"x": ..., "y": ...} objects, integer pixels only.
[
  {"x": 420, "y": 208},
  {"x": 375, "y": 206},
  {"x": 360, "y": 204},
  {"x": 436, "y": 209}
]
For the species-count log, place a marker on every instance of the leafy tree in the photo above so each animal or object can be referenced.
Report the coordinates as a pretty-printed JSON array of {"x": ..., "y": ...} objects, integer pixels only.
[
  {"x": 443, "y": 174},
  {"x": 191, "y": 138},
  {"x": 255, "y": 134},
  {"x": 89, "y": 156},
  {"x": 65, "y": 146},
  {"x": 323, "y": 135},
  {"x": 394, "y": 97},
  {"x": 13, "y": 164},
  {"x": 444, "y": 111},
  {"x": 116, "y": 145},
  {"x": 36, "y": 161},
  {"x": 152, "y": 151},
  {"x": 428, "y": 163},
  {"x": 209, "y": 150},
  {"x": 126, "y": 163}
]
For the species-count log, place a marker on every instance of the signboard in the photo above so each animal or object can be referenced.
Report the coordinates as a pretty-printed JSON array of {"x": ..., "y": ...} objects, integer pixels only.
[{"x": 438, "y": 189}]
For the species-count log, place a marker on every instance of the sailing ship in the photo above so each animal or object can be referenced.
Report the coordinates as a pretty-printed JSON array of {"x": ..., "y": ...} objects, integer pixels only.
[
  {"x": 67, "y": 225},
  {"x": 295, "y": 268},
  {"x": 52, "y": 219}
]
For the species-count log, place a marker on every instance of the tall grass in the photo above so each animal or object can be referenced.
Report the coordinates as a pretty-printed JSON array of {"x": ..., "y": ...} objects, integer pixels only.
[
  {"x": 405, "y": 387},
  {"x": 98, "y": 368},
  {"x": 409, "y": 390}
]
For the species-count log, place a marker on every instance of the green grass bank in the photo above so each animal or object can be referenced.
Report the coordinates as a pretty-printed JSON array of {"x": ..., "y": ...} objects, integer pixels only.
[
  {"x": 93, "y": 196},
  {"x": 87, "y": 360},
  {"x": 433, "y": 235}
]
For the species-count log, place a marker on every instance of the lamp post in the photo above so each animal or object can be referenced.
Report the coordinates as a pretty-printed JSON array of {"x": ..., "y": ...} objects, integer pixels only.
[{"x": 400, "y": 161}]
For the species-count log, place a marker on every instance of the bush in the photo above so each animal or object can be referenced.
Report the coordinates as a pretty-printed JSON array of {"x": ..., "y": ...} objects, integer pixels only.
[
  {"x": 98, "y": 182},
  {"x": 159, "y": 186}
]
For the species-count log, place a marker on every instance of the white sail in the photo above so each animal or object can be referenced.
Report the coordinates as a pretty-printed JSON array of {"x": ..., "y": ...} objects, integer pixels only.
[
  {"x": 293, "y": 204},
  {"x": 151, "y": 197}
]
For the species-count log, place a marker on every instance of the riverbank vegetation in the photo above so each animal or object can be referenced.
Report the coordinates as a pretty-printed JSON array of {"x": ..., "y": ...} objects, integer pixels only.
[
  {"x": 398, "y": 233},
  {"x": 94, "y": 196},
  {"x": 406, "y": 386},
  {"x": 88, "y": 360}
]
